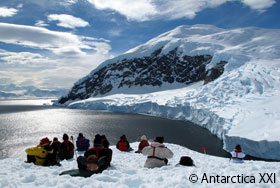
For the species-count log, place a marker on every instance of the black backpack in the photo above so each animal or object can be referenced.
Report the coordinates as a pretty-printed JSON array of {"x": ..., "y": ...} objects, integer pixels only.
[{"x": 186, "y": 161}]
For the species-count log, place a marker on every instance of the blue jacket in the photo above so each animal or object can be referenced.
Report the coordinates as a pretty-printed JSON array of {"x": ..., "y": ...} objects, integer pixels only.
[{"x": 82, "y": 143}]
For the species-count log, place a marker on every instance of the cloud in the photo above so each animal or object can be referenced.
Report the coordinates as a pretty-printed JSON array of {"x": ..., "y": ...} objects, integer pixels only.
[
  {"x": 260, "y": 5},
  {"x": 22, "y": 58},
  {"x": 41, "y": 23},
  {"x": 143, "y": 10},
  {"x": 7, "y": 12},
  {"x": 68, "y": 2},
  {"x": 42, "y": 38},
  {"x": 72, "y": 56},
  {"x": 68, "y": 21},
  {"x": 99, "y": 45},
  {"x": 139, "y": 10},
  {"x": 50, "y": 4},
  {"x": 114, "y": 32},
  {"x": 20, "y": 6},
  {"x": 43, "y": 71},
  {"x": 184, "y": 8}
]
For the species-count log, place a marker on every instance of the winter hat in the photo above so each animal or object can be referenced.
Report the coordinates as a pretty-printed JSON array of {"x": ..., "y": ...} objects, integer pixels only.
[
  {"x": 103, "y": 137},
  {"x": 143, "y": 137},
  {"x": 123, "y": 136},
  {"x": 65, "y": 137},
  {"x": 159, "y": 139},
  {"x": 81, "y": 135},
  {"x": 97, "y": 140},
  {"x": 44, "y": 141},
  {"x": 238, "y": 148}
]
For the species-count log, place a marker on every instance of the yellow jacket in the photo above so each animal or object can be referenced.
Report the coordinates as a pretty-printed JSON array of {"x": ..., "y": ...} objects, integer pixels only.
[{"x": 40, "y": 153}]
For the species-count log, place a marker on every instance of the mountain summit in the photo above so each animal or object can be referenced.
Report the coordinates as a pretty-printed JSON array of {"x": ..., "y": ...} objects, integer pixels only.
[{"x": 226, "y": 80}]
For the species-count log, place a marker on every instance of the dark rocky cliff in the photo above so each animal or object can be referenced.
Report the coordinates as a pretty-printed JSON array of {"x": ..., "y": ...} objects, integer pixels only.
[{"x": 153, "y": 70}]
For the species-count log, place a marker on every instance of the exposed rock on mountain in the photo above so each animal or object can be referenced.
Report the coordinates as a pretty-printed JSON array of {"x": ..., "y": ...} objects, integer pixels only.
[{"x": 154, "y": 70}]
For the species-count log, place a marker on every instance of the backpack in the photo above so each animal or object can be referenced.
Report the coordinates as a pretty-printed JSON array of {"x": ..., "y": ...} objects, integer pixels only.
[
  {"x": 186, "y": 161},
  {"x": 82, "y": 144}
]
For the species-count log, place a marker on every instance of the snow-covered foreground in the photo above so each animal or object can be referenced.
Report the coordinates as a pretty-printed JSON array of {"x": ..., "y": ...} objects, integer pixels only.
[{"x": 127, "y": 171}]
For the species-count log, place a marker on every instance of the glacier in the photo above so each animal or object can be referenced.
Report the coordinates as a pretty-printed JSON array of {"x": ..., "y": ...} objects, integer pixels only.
[{"x": 241, "y": 106}]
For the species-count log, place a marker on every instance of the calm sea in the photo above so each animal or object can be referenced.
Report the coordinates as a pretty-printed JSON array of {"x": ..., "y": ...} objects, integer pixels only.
[{"x": 24, "y": 122}]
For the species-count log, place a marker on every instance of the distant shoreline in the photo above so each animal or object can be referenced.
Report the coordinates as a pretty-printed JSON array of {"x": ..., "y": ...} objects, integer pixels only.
[{"x": 37, "y": 98}]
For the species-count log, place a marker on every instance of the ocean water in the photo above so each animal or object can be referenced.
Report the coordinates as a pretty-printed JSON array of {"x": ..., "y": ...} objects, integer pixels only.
[{"x": 24, "y": 122}]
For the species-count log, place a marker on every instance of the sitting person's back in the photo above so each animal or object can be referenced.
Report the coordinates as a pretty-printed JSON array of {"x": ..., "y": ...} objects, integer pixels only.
[
  {"x": 157, "y": 154},
  {"x": 82, "y": 143},
  {"x": 66, "y": 149},
  {"x": 105, "y": 142},
  {"x": 100, "y": 151},
  {"x": 123, "y": 144},
  {"x": 55, "y": 145},
  {"x": 144, "y": 142},
  {"x": 38, "y": 154},
  {"x": 237, "y": 155}
]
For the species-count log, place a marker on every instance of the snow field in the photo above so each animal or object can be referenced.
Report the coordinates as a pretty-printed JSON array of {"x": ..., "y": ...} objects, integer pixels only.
[{"x": 127, "y": 171}]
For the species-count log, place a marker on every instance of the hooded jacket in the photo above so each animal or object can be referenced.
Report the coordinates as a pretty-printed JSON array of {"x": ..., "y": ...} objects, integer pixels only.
[
  {"x": 40, "y": 152},
  {"x": 157, "y": 154},
  {"x": 142, "y": 144}
]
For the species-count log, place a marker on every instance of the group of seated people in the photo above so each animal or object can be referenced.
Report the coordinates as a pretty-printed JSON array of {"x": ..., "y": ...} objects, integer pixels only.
[
  {"x": 98, "y": 158},
  {"x": 49, "y": 153}
]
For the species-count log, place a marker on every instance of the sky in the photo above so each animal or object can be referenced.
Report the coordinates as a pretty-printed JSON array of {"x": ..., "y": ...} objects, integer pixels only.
[{"x": 50, "y": 44}]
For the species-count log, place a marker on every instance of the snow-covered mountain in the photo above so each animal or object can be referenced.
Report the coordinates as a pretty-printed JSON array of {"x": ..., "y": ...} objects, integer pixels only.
[
  {"x": 227, "y": 81},
  {"x": 7, "y": 95},
  {"x": 14, "y": 91}
]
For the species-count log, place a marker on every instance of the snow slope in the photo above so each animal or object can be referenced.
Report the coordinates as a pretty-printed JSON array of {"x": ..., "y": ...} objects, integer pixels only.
[
  {"x": 127, "y": 171},
  {"x": 241, "y": 106}
]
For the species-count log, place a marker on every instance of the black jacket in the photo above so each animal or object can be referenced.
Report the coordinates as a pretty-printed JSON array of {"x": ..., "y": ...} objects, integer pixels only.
[
  {"x": 100, "y": 151},
  {"x": 66, "y": 150}
]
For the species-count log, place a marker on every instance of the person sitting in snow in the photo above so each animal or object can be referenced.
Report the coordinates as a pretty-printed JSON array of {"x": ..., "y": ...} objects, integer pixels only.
[
  {"x": 53, "y": 158},
  {"x": 144, "y": 142},
  {"x": 82, "y": 143},
  {"x": 55, "y": 145},
  {"x": 66, "y": 149},
  {"x": 123, "y": 144},
  {"x": 105, "y": 142},
  {"x": 87, "y": 166},
  {"x": 157, "y": 154},
  {"x": 237, "y": 155},
  {"x": 91, "y": 163},
  {"x": 38, "y": 155},
  {"x": 101, "y": 152}
]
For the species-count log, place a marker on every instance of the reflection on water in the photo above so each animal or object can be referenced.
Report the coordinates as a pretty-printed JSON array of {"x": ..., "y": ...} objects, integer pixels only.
[{"x": 24, "y": 123}]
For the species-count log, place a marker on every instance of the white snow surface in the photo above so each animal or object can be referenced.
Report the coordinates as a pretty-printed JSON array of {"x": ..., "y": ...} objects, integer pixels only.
[
  {"x": 242, "y": 106},
  {"x": 127, "y": 171}
]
